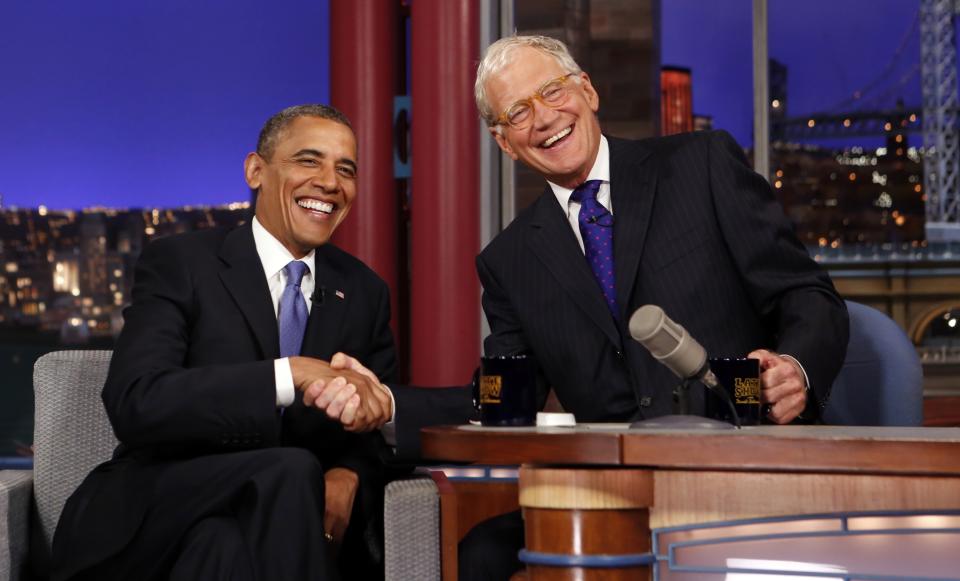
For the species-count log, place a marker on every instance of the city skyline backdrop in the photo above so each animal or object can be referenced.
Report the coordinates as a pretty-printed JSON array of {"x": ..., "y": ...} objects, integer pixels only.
[{"x": 126, "y": 105}]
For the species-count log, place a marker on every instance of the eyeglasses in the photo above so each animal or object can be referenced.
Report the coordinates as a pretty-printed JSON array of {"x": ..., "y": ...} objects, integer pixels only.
[{"x": 552, "y": 94}]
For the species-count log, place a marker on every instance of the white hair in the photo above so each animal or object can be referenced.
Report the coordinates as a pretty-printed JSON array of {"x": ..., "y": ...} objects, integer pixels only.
[{"x": 499, "y": 54}]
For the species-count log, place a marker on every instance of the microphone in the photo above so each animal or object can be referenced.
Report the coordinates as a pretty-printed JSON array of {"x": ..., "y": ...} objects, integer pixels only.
[
  {"x": 592, "y": 220},
  {"x": 319, "y": 293},
  {"x": 671, "y": 345}
]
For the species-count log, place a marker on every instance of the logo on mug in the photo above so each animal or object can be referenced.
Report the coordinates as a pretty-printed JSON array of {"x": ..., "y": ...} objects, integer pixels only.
[
  {"x": 490, "y": 389},
  {"x": 746, "y": 390}
]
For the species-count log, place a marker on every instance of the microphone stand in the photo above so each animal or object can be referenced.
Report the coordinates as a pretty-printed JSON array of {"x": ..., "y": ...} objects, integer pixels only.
[
  {"x": 681, "y": 418},
  {"x": 681, "y": 405}
]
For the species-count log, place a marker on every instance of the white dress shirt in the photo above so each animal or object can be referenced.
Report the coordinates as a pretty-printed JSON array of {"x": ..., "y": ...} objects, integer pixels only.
[
  {"x": 599, "y": 171},
  {"x": 274, "y": 257}
]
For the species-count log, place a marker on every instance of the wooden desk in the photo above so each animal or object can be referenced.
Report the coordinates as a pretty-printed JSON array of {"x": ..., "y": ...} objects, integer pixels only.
[{"x": 599, "y": 489}]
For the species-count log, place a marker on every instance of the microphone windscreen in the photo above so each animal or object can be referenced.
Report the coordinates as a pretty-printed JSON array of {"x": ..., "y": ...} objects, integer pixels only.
[
  {"x": 650, "y": 326},
  {"x": 667, "y": 341}
]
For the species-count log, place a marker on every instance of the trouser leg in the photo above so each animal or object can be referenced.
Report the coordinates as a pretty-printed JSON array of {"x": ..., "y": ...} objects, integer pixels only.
[
  {"x": 215, "y": 550},
  {"x": 274, "y": 498},
  {"x": 489, "y": 551}
]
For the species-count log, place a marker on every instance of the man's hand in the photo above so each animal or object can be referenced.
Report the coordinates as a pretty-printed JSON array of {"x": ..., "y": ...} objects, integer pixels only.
[
  {"x": 340, "y": 488},
  {"x": 782, "y": 386},
  {"x": 342, "y": 361},
  {"x": 357, "y": 400}
]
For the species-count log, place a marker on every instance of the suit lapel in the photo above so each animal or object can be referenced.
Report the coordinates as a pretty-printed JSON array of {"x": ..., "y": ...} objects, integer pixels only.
[
  {"x": 246, "y": 282},
  {"x": 555, "y": 245},
  {"x": 633, "y": 180},
  {"x": 329, "y": 306}
]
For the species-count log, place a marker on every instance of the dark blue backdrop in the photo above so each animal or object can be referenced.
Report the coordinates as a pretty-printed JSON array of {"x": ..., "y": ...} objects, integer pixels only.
[{"x": 124, "y": 103}]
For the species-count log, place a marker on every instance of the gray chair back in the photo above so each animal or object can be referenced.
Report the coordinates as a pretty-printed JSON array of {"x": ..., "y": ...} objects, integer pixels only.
[
  {"x": 881, "y": 381},
  {"x": 71, "y": 431}
]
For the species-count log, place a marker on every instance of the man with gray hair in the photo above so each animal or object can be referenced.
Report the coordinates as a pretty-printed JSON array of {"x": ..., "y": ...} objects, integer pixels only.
[{"x": 681, "y": 222}]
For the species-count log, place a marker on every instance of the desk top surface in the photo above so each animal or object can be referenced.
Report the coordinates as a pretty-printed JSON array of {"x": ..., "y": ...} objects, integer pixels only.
[{"x": 880, "y": 450}]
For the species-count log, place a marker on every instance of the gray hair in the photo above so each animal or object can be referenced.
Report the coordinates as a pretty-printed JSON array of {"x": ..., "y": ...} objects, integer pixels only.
[
  {"x": 499, "y": 55},
  {"x": 276, "y": 124}
]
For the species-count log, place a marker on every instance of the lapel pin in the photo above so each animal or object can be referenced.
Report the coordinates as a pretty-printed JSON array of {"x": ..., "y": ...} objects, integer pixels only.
[{"x": 340, "y": 294}]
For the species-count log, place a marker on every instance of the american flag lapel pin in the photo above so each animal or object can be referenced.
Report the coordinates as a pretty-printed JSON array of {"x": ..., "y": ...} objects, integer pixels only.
[{"x": 340, "y": 294}]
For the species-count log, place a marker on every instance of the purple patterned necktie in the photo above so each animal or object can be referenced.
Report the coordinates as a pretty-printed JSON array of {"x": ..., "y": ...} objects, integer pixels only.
[
  {"x": 596, "y": 229},
  {"x": 292, "y": 312}
]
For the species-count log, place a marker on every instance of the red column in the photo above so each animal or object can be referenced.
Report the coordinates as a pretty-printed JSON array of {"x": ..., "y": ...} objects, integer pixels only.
[
  {"x": 445, "y": 207},
  {"x": 363, "y": 80}
]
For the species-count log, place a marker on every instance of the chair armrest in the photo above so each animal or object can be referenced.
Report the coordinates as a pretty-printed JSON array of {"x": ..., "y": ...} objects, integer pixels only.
[
  {"x": 412, "y": 529},
  {"x": 16, "y": 488}
]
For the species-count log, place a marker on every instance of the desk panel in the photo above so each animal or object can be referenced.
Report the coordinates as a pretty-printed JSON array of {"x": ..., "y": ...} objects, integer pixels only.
[
  {"x": 581, "y": 446},
  {"x": 683, "y": 497},
  {"x": 868, "y": 450}
]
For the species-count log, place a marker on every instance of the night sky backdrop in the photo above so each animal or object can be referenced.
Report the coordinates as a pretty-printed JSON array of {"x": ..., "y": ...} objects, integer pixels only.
[{"x": 156, "y": 103}]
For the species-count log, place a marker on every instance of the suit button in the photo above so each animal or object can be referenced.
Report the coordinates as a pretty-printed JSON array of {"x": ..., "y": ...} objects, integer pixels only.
[{"x": 645, "y": 402}]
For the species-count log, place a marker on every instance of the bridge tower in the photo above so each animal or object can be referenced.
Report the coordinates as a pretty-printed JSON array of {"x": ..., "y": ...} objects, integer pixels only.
[{"x": 938, "y": 54}]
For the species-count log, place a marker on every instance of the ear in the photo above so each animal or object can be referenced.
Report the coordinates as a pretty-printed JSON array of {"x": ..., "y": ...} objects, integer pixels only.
[
  {"x": 593, "y": 99},
  {"x": 252, "y": 170},
  {"x": 502, "y": 142}
]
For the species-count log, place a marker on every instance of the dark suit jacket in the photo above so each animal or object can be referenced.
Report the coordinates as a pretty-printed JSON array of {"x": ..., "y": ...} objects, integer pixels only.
[
  {"x": 193, "y": 374},
  {"x": 695, "y": 232}
]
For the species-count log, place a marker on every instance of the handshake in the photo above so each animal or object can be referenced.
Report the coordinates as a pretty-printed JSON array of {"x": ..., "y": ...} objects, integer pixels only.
[{"x": 344, "y": 389}]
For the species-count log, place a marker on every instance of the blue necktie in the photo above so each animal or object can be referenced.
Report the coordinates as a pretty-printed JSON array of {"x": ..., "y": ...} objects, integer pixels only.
[
  {"x": 596, "y": 229},
  {"x": 292, "y": 312}
]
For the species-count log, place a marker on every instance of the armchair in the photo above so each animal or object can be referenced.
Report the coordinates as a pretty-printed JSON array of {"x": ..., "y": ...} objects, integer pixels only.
[{"x": 72, "y": 435}]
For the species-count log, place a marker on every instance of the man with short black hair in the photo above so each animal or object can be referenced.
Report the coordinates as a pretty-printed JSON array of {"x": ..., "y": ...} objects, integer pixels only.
[{"x": 225, "y": 468}]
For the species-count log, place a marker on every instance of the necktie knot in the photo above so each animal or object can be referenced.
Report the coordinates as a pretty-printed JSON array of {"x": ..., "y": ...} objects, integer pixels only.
[
  {"x": 586, "y": 191},
  {"x": 295, "y": 270}
]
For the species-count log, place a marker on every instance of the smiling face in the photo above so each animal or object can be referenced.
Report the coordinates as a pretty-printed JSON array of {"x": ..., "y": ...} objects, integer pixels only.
[
  {"x": 562, "y": 143},
  {"x": 307, "y": 185}
]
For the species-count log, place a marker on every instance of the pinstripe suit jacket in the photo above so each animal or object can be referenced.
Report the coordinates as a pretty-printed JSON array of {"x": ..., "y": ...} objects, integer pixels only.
[{"x": 697, "y": 233}]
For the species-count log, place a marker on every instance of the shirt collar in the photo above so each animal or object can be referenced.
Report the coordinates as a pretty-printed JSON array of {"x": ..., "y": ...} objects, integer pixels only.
[
  {"x": 599, "y": 171},
  {"x": 274, "y": 256}
]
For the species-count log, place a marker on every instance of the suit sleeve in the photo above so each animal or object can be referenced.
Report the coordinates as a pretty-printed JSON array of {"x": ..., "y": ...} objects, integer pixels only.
[
  {"x": 419, "y": 407},
  {"x": 506, "y": 335},
  {"x": 153, "y": 399},
  {"x": 794, "y": 296},
  {"x": 506, "y": 332}
]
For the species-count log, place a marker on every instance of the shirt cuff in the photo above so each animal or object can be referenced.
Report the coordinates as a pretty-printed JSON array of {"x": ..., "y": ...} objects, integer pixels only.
[
  {"x": 806, "y": 380},
  {"x": 283, "y": 375},
  {"x": 389, "y": 429}
]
